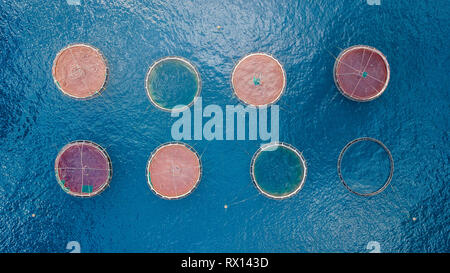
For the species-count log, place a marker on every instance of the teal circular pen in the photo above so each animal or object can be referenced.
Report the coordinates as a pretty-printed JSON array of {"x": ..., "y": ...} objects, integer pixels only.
[
  {"x": 173, "y": 84},
  {"x": 278, "y": 170}
]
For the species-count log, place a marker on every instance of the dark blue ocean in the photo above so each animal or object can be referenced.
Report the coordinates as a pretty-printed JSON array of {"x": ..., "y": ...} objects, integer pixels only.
[{"x": 411, "y": 118}]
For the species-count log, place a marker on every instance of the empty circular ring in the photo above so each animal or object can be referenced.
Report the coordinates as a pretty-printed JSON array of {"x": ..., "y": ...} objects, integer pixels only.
[{"x": 391, "y": 162}]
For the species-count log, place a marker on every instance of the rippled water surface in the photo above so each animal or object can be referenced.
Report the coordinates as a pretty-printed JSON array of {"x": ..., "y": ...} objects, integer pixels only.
[
  {"x": 410, "y": 118},
  {"x": 365, "y": 167}
]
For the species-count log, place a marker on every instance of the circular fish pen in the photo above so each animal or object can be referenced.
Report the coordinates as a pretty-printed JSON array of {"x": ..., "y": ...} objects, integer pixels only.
[
  {"x": 83, "y": 168},
  {"x": 258, "y": 79},
  {"x": 80, "y": 71},
  {"x": 173, "y": 170},
  {"x": 375, "y": 159},
  {"x": 361, "y": 73},
  {"x": 278, "y": 170},
  {"x": 173, "y": 84}
]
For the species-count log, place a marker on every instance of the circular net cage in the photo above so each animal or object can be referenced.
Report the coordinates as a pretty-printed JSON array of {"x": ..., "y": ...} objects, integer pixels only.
[
  {"x": 258, "y": 79},
  {"x": 278, "y": 170},
  {"x": 80, "y": 71},
  {"x": 361, "y": 73},
  {"x": 173, "y": 170},
  {"x": 173, "y": 84},
  {"x": 83, "y": 168},
  {"x": 364, "y": 162}
]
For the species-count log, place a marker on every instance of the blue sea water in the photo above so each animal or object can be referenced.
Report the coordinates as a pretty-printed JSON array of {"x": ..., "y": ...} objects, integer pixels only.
[{"x": 410, "y": 118}]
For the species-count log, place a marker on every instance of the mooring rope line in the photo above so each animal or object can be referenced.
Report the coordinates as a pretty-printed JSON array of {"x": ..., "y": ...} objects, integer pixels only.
[
  {"x": 244, "y": 200},
  {"x": 339, "y": 61}
]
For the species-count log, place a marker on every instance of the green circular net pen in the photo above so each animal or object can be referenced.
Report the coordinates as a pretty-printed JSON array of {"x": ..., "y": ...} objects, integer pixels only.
[
  {"x": 173, "y": 84},
  {"x": 278, "y": 170}
]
